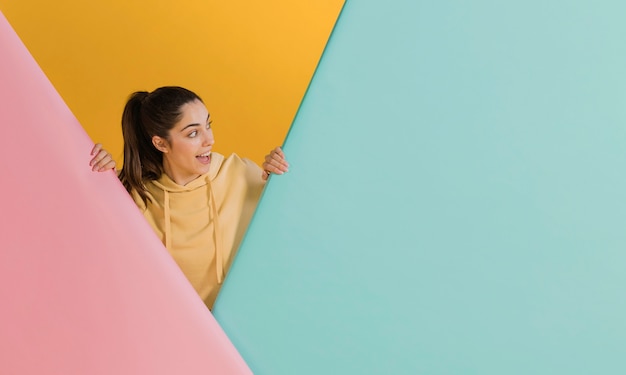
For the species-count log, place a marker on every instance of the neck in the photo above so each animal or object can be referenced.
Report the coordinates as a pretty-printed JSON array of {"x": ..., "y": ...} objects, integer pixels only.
[{"x": 180, "y": 180}]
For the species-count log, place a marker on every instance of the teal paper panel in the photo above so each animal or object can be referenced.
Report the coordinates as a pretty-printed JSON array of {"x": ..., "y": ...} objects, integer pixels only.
[{"x": 456, "y": 202}]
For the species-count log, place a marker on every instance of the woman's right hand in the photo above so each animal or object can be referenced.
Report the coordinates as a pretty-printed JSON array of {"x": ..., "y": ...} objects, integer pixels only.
[{"x": 102, "y": 161}]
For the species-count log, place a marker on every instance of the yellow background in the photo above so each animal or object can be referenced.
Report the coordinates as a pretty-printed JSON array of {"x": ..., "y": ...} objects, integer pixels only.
[{"x": 250, "y": 61}]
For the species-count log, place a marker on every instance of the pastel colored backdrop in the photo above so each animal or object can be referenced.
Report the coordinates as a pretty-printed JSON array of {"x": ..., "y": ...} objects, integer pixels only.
[
  {"x": 251, "y": 61},
  {"x": 456, "y": 202}
]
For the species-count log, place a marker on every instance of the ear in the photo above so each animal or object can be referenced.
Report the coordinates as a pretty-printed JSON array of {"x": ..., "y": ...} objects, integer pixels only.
[{"x": 160, "y": 144}]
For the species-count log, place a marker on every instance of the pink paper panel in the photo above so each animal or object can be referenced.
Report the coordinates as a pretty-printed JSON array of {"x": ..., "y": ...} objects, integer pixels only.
[{"x": 85, "y": 286}]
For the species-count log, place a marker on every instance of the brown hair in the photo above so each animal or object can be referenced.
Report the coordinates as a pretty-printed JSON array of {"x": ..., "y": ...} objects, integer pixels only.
[{"x": 146, "y": 115}]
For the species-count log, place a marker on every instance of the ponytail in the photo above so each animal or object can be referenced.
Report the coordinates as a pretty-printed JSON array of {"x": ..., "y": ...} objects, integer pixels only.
[{"x": 141, "y": 159}]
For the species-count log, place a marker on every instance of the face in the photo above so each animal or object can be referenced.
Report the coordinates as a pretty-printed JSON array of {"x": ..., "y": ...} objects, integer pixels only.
[{"x": 187, "y": 152}]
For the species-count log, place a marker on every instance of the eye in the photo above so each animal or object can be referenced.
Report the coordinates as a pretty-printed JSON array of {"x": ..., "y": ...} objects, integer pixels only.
[
  {"x": 193, "y": 134},
  {"x": 208, "y": 125}
]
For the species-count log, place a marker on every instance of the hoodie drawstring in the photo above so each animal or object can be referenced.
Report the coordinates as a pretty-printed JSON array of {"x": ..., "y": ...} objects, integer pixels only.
[
  {"x": 168, "y": 223},
  {"x": 217, "y": 236}
]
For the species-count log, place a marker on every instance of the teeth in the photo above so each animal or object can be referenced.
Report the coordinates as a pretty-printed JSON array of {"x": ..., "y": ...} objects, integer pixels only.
[{"x": 205, "y": 154}]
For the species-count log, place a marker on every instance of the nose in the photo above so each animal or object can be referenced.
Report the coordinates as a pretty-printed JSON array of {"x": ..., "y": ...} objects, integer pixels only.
[{"x": 209, "y": 140}]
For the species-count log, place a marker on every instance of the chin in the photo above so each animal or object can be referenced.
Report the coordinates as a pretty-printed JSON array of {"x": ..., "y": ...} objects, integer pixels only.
[{"x": 204, "y": 170}]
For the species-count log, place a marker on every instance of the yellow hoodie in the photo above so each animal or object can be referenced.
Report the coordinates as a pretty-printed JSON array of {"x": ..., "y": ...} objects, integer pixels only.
[{"x": 202, "y": 223}]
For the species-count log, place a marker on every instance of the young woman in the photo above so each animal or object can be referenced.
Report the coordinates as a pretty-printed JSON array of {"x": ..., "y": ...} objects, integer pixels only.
[{"x": 198, "y": 202}]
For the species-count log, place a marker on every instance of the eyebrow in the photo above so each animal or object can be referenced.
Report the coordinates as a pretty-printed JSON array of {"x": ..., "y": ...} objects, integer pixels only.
[{"x": 208, "y": 118}]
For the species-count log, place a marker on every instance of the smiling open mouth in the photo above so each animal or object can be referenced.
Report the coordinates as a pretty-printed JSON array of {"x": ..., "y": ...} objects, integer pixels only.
[{"x": 204, "y": 158}]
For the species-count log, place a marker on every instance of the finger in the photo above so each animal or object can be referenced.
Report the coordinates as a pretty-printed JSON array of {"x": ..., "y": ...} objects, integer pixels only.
[
  {"x": 96, "y": 148},
  {"x": 98, "y": 158},
  {"x": 269, "y": 168},
  {"x": 265, "y": 175},
  {"x": 95, "y": 158},
  {"x": 274, "y": 167},
  {"x": 276, "y": 152},
  {"x": 105, "y": 164},
  {"x": 94, "y": 162},
  {"x": 279, "y": 151},
  {"x": 278, "y": 160},
  {"x": 108, "y": 166},
  {"x": 106, "y": 158},
  {"x": 104, "y": 161}
]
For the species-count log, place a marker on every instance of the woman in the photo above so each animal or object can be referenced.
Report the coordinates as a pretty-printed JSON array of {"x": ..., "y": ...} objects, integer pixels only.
[{"x": 198, "y": 202}]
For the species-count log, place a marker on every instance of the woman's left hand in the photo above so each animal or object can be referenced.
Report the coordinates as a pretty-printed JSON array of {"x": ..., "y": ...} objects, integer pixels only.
[{"x": 275, "y": 163}]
